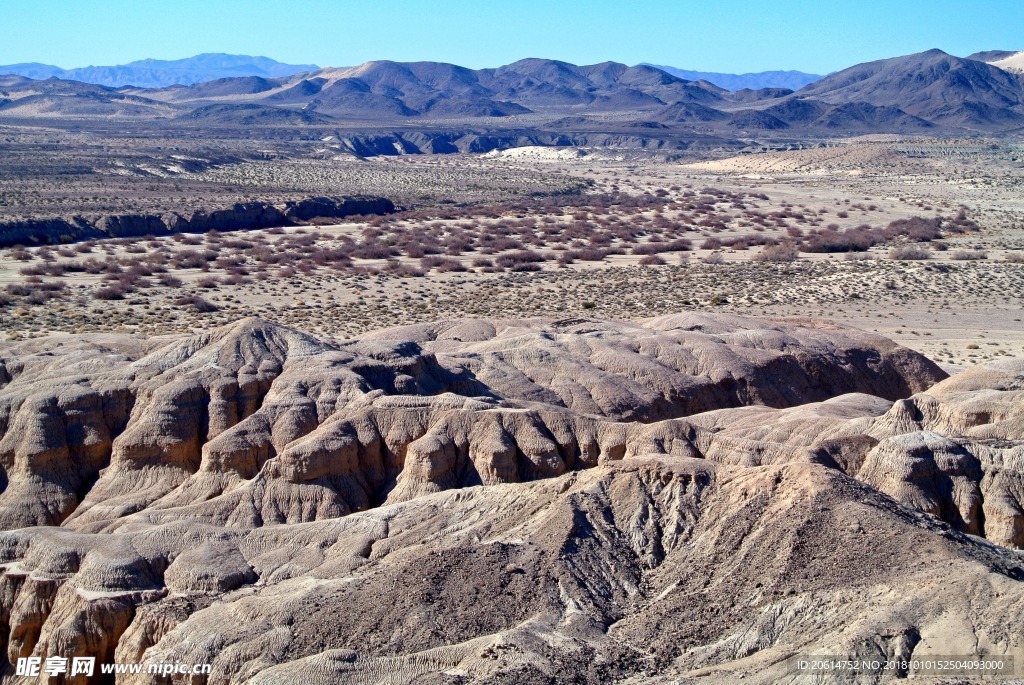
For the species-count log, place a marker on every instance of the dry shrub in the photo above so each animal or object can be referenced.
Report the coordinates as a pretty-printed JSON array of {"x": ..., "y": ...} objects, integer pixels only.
[
  {"x": 195, "y": 303},
  {"x": 188, "y": 259},
  {"x": 441, "y": 264},
  {"x": 374, "y": 251},
  {"x": 714, "y": 258},
  {"x": 401, "y": 270},
  {"x": 586, "y": 254},
  {"x": 679, "y": 245},
  {"x": 519, "y": 257},
  {"x": 781, "y": 252},
  {"x": 111, "y": 292},
  {"x": 169, "y": 281},
  {"x": 858, "y": 239},
  {"x": 909, "y": 252},
  {"x": 968, "y": 255}
]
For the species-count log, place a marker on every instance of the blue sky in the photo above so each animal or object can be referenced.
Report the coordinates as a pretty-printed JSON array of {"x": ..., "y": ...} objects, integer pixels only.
[{"x": 730, "y": 36}]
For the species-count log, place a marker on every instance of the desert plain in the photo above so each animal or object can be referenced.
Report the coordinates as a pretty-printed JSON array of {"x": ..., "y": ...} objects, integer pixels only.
[{"x": 703, "y": 226}]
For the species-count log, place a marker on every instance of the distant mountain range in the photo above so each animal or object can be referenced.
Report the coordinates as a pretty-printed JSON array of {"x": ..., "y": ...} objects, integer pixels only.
[
  {"x": 156, "y": 73},
  {"x": 927, "y": 91},
  {"x": 793, "y": 80}
]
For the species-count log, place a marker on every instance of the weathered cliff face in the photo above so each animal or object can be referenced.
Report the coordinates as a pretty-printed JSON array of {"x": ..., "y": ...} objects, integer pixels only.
[
  {"x": 241, "y": 216},
  {"x": 652, "y": 499}
]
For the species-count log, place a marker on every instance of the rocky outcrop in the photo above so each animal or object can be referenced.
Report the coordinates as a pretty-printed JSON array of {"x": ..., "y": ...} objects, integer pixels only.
[
  {"x": 955, "y": 451},
  {"x": 314, "y": 207},
  {"x": 693, "y": 495},
  {"x": 47, "y": 231},
  {"x": 241, "y": 216},
  {"x": 666, "y": 567},
  {"x": 272, "y": 425}
]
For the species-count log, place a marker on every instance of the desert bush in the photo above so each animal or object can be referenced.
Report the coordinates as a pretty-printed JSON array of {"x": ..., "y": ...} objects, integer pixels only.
[
  {"x": 518, "y": 257},
  {"x": 188, "y": 259},
  {"x": 374, "y": 251},
  {"x": 714, "y": 258},
  {"x": 441, "y": 264},
  {"x": 47, "y": 269},
  {"x": 52, "y": 286},
  {"x": 333, "y": 256},
  {"x": 917, "y": 228},
  {"x": 909, "y": 252},
  {"x": 111, "y": 292},
  {"x": 414, "y": 250},
  {"x": 968, "y": 255},
  {"x": 586, "y": 254},
  {"x": 851, "y": 240},
  {"x": 711, "y": 244},
  {"x": 651, "y": 260},
  {"x": 678, "y": 245},
  {"x": 196, "y": 303},
  {"x": 499, "y": 243},
  {"x": 42, "y": 296},
  {"x": 396, "y": 268},
  {"x": 961, "y": 223},
  {"x": 1014, "y": 257},
  {"x": 781, "y": 252},
  {"x": 228, "y": 261}
]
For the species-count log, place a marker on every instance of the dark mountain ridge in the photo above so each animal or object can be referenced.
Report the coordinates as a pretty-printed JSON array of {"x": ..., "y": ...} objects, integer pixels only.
[{"x": 931, "y": 85}]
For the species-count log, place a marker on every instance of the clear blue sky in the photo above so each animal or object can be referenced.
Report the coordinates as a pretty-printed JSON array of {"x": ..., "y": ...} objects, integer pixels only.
[{"x": 730, "y": 35}]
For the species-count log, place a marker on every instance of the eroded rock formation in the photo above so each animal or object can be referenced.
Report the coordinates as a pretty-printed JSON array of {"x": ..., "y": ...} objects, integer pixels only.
[
  {"x": 691, "y": 494},
  {"x": 240, "y": 216}
]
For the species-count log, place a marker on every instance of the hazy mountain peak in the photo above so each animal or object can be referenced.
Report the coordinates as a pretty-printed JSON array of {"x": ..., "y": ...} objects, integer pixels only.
[
  {"x": 793, "y": 80},
  {"x": 156, "y": 73}
]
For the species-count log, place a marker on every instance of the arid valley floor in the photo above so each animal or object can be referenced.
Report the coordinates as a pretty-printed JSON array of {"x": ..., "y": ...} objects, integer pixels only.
[{"x": 498, "y": 250}]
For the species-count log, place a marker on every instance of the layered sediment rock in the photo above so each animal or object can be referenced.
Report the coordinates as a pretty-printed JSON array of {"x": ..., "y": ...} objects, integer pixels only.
[
  {"x": 660, "y": 500},
  {"x": 295, "y": 428}
]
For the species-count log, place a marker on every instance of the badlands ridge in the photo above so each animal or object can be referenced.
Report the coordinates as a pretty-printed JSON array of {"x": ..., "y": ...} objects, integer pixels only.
[{"x": 507, "y": 501}]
